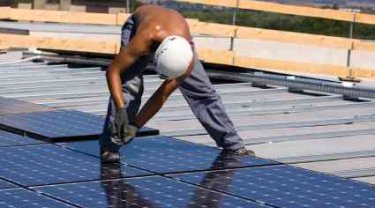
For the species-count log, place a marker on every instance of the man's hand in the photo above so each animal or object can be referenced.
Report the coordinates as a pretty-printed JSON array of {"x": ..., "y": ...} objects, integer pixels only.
[
  {"x": 131, "y": 132},
  {"x": 119, "y": 127}
]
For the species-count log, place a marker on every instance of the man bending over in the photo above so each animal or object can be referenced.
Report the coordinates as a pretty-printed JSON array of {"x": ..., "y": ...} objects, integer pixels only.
[{"x": 162, "y": 35}]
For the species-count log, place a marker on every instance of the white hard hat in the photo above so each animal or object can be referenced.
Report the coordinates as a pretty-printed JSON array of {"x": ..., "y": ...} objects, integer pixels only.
[{"x": 173, "y": 57}]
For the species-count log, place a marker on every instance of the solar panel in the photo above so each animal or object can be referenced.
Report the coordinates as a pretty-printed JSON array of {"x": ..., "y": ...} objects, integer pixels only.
[
  {"x": 4, "y": 185},
  {"x": 286, "y": 186},
  {"x": 59, "y": 125},
  {"x": 12, "y": 106},
  {"x": 49, "y": 164},
  {"x": 9, "y": 139},
  {"x": 167, "y": 155},
  {"x": 24, "y": 198},
  {"x": 143, "y": 192}
]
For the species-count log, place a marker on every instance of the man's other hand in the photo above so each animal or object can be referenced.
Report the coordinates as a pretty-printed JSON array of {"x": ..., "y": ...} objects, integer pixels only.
[
  {"x": 119, "y": 127},
  {"x": 131, "y": 132}
]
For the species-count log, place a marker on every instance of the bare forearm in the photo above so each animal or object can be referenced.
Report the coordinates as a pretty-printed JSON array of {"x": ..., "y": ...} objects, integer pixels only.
[
  {"x": 154, "y": 104},
  {"x": 114, "y": 85}
]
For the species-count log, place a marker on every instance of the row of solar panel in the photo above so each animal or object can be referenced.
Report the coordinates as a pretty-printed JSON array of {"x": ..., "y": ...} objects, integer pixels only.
[
  {"x": 51, "y": 124},
  {"x": 155, "y": 171},
  {"x": 165, "y": 172}
]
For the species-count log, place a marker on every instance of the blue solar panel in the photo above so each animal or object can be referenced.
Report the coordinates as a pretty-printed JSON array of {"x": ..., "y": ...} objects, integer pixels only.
[
  {"x": 49, "y": 164},
  {"x": 286, "y": 186},
  {"x": 4, "y": 185},
  {"x": 143, "y": 192},
  {"x": 16, "y": 198},
  {"x": 60, "y": 125},
  {"x": 168, "y": 155},
  {"x": 9, "y": 139},
  {"x": 13, "y": 106}
]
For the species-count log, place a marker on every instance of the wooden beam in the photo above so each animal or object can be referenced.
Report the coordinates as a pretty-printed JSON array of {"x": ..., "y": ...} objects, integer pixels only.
[
  {"x": 290, "y": 67},
  {"x": 65, "y": 16},
  {"x": 293, "y": 37},
  {"x": 205, "y": 28},
  {"x": 64, "y": 44},
  {"x": 290, "y": 9},
  {"x": 121, "y": 18},
  {"x": 215, "y": 56},
  {"x": 364, "y": 45},
  {"x": 365, "y": 73},
  {"x": 5, "y": 12},
  {"x": 297, "y": 10},
  {"x": 365, "y": 18}
]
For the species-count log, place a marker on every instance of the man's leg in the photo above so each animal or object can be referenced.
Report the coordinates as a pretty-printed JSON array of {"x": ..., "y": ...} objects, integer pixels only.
[{"x": 208, "y": 107}]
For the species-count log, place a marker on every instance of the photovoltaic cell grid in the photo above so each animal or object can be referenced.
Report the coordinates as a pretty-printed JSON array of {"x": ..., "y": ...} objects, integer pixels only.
[
  {"x": 12, "y": 106},
  {"x": 143, "y": 192},
  {"x": 276, "y": 186},
  {"x": 270, "y": 186},
  {"x": 60, "y": 125},
  {"x": 5, "y": 184},
  {"x": 9, "y": 139},
  {"x": 49, "y": 164},
  {"x": 286, "y": 186},
  {"x": 24, "y": 198},
  {"x": 168, "y": 155}
]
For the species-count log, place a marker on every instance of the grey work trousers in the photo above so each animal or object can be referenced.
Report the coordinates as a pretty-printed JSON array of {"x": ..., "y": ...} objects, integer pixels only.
[{"x": 197, "y": 89}]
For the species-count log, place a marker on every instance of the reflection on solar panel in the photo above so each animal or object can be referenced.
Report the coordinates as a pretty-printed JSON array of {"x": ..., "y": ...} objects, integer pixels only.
[
  {"x": 80, "y": 180},
  {"x": 143, "y": 192},
  {"x": 24, "y": 198},
  {"x": 48, "y": 164},
  {"x": 167, "y": 155},
  {"x": 4, "y": 184},
  {"x": 287, "y": 186},
  {"x": 13, "y": 106},
  {"x": 58, "y": 125},
  {"x": 9, "y": 139}
]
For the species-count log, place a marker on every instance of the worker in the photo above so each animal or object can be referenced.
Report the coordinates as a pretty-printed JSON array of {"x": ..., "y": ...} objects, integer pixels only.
[{"x": 161, "y": 35}]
